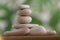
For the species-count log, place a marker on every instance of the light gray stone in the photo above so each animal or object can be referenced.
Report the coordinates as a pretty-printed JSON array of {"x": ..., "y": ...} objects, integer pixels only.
[
  {"x": 17, "y": 26},
  {"x": 24, "y": 19},
  {"x": 18, "y": 32}
]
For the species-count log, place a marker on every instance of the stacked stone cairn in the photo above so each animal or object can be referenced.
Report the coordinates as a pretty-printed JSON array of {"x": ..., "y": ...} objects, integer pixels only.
[{"x": 24, "y": 28}]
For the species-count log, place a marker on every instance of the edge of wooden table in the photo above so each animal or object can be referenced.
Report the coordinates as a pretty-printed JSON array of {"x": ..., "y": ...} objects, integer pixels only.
[{"x": 30, "y": 37}]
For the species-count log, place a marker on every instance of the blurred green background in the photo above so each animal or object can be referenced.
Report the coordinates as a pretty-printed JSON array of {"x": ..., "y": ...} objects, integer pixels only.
[{"x": 45, "y": 12}]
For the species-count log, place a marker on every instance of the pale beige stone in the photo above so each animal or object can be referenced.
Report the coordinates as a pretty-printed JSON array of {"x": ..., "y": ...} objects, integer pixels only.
[
  {"x": 17, "y": 26},
  {"x": 51, "y": 32},
  {"x": 24, "y": 6},
  {"x": 18, "y": 32},
  {"x": 24, "y": 12},
  {"x": 38, "y": 31},
  {"x": 24, "y": 19}
]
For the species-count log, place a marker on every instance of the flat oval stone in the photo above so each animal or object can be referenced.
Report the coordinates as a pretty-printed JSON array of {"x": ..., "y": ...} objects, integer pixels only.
[
  {"x": 38, "y": 31},
  {"x": 51, "y": 32},
  {"x": 17, "y": 26},
  {"x": 18, "y": 32}
]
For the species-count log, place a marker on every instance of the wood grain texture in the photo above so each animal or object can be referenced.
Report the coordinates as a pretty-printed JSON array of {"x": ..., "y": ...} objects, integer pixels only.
[{"x": 31, "y": 37}]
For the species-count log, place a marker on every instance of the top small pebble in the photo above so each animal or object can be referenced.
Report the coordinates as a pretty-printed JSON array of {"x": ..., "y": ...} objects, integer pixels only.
[
  {"x": 24, "y": 10},
  {"x": 24, "y": 6}
]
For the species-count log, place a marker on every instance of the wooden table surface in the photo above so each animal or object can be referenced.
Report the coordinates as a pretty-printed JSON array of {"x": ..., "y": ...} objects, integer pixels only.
[{"x": 30, "y": 38}]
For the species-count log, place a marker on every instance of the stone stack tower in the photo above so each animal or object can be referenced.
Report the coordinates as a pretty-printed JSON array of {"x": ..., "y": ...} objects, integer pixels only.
[
  {"x": 24, "y": 14},
  {"x": 24, "y": 28}
]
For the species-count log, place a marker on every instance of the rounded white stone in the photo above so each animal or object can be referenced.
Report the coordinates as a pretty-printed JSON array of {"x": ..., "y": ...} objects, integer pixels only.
[
  {"x": 24, "y": 6},
  {"x": 51, "y": 32},
  {"x": 17, "y": 26},
  {"x": 24, "y": 19},
  {"x": 38, "y": 31},
  {"x": 24, "y": 12},
  {"x": 18, "y": 32}
]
